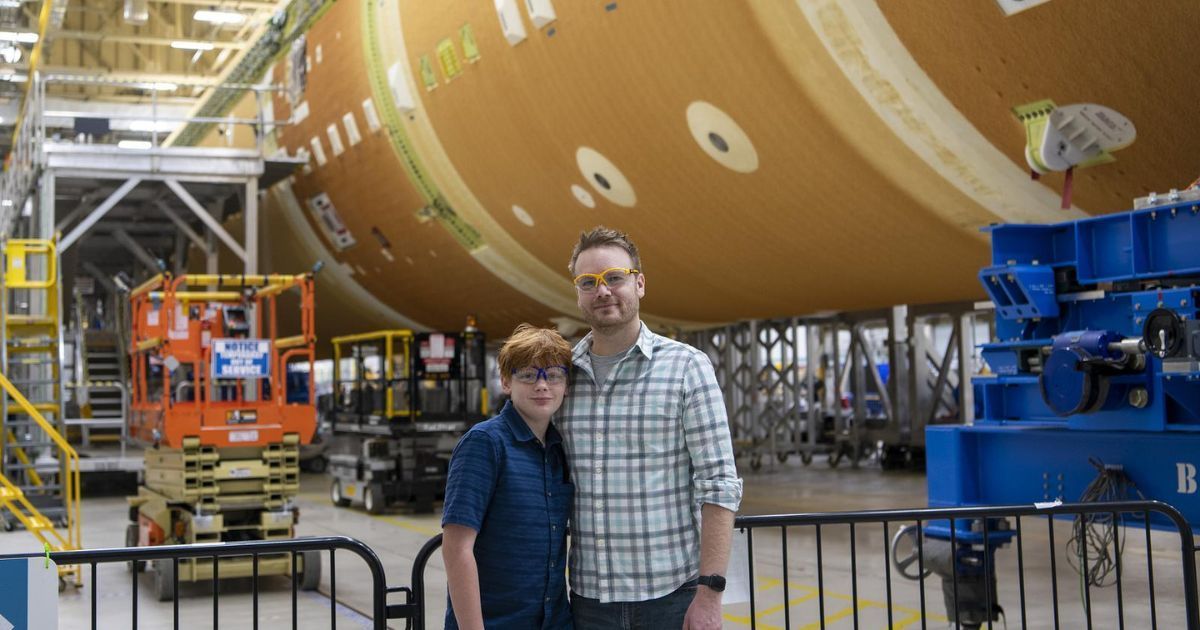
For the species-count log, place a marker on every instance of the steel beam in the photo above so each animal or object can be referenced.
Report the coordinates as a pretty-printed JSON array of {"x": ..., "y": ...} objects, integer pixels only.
[
  {"x": 183, "y": 226},
  {"x": 966, "y": 365},
  {"x": 251, "y": 215},
  {"x": 101, "y": 277},
  {"x": 212, "y": 224},
  {"x": 112, "y": 38},
  {"x": 84, "y": 204},
  {"x": 211, "y": 260},
  {"x": 135, "y": 248},
  {"x": 97, "y": 214},
  {"x": 43, "y": 214},
  {"x": 181, "y": 242}
]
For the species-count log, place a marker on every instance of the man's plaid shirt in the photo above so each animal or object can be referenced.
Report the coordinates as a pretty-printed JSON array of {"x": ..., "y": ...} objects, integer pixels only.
[{"x": 646, "y": 449}]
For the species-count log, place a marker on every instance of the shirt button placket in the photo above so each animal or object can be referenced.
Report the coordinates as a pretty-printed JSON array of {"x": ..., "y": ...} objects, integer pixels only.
[{"x": 597, "y": 515}]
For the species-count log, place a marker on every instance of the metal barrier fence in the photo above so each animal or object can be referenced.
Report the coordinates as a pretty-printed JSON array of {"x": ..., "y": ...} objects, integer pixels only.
[
  {"x": 297, "y": 548},
  {"x": 959, "y": 545},
  {"x": 967, "y": 564},
  {"x": 969, "y": 573}
]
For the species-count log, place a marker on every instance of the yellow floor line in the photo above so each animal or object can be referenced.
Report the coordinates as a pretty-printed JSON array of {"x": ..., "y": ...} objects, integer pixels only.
[
  {"x": 841, "y": 614},
  {"x": 745, "y": 619},
  {"x": 913, "y": 614},
  {"x": 412, "y": 527},
  {"x": 392, "y": 520}
]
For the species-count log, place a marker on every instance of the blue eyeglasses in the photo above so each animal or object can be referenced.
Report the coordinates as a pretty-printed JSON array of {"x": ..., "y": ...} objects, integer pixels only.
[{"x": 554, "y": 375}]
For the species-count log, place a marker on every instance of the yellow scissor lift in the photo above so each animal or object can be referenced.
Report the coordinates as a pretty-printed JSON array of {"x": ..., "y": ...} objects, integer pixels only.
[
  {"x": 39, "y": 470},
  {"x": 400, "y": 402}
]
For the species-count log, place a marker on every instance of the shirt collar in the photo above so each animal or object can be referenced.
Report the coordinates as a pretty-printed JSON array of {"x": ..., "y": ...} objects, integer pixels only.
[
  {"x": 521, "y": 431},
  {"x": 644, "y": 343}
]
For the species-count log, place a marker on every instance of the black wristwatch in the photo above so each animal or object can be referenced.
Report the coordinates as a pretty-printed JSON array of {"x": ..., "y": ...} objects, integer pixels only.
[{"x": 715, "y": 582}]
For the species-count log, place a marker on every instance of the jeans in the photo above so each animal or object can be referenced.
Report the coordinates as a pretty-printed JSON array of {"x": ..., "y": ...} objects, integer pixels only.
[{"x": 663, "y": 613}]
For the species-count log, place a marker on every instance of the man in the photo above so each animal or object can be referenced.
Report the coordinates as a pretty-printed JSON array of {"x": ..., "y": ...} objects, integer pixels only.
[{"x": 648, "y": 445}]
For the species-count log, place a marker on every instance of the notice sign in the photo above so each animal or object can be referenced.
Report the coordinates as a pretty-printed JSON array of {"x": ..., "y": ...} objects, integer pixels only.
[
  {"x": 241, "y": 358},
  {"x": 436, "y": 353}
]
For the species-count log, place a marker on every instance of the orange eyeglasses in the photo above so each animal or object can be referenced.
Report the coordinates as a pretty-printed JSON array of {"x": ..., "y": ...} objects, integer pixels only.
[{"x": 613, "y": 277}]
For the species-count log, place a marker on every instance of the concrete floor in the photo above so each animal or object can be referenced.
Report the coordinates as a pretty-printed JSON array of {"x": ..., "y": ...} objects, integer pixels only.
[{"x": 786, "y": 488}]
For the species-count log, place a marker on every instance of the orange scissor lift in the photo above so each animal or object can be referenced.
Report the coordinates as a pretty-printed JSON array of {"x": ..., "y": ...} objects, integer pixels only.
[{"x": 209, "y": 400}]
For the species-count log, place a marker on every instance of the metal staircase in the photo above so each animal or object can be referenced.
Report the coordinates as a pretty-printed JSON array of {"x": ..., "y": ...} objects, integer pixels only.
[
  {"x": 39, "y": 470},
  {"x": 99, "y": 385}
]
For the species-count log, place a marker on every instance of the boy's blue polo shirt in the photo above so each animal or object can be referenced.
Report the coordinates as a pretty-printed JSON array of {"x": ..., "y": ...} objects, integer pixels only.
[{"x": 517, "y": 495}]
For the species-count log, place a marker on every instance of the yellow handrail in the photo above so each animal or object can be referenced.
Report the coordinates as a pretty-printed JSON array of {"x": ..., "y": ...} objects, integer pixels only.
[
  {"x": 71, "y": 483},
  {"x": 148, "y": 285},
  {"x": 201, "y": 296},
  {"x": 16, "y": 272},
  {"x": 238, "y": 280},
  {"x": 29, "y": 516},
  {"x": 291, "y": 342},
  {"x": 146, "y": 344},
  {"x": 370, "y": 336}
]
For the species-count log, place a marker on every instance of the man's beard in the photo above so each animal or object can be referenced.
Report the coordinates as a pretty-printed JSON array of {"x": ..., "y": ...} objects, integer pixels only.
[{"x": 604, "y": 325}]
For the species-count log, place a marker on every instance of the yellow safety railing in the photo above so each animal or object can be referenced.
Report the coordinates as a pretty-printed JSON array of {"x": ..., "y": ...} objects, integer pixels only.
[
  {"x": 14, "y": 499},
  {"x": 149, "y": 285},
  {"x": 238, "y": 280},
  {"x": 16, "y": 274},
  {"x": 390, "y": 349}
]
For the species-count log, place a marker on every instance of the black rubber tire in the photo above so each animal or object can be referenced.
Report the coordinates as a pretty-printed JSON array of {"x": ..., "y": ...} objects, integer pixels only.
[
  {"x": 335, "y": 494},
  {"x": 318, "y": 464},
  {"x": 373, "y": 499},
  {"x": 310, "y": 572},
  {"x": 131, "y": 540},
  {"x": 164, "y": 579},
  {"x": 806, "y": 458}
]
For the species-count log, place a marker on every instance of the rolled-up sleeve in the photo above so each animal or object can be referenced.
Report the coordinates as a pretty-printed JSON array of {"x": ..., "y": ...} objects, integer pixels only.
[{"x": 706, "y": 431}]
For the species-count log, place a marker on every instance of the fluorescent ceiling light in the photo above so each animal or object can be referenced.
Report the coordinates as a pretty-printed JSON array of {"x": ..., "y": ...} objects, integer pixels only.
[
  {"x": 162, "y": 86},
  {"x": 150, "y": 125},
  {"x": 10, "y": 4},
  {"x": 7, "y": 203},
  {"x": 184, "y": 44},
  {"x": 24, "y": 37},
  {"x": 219, "y": 17},
  {"x": 134, "y": 144},
  {"x": 14, "y": 78}
]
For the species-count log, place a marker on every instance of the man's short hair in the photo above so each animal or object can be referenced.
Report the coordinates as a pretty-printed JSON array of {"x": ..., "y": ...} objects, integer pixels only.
[
  {"x": 601, "y": 236},
  {"x": 531, "y": 346}
]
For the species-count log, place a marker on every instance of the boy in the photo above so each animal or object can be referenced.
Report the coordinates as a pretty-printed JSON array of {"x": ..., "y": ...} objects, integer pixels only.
[{"x": 508, "y": 497}]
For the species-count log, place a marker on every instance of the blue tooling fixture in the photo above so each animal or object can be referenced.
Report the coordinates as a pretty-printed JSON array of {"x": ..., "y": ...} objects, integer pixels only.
[
  {"x": 1095, "y": 385},
  {"x": 1096, "y": 360}
]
